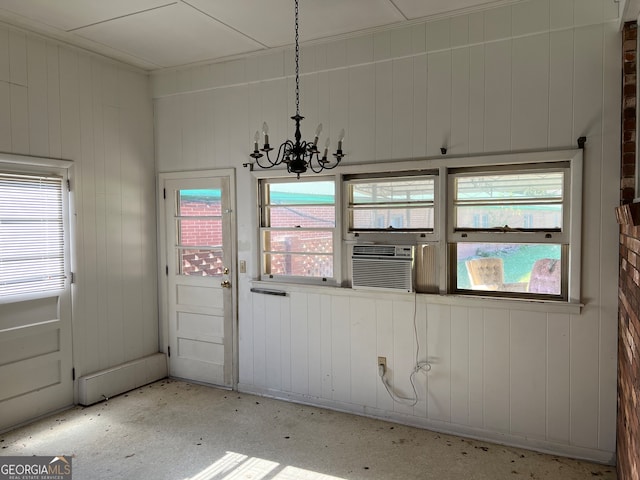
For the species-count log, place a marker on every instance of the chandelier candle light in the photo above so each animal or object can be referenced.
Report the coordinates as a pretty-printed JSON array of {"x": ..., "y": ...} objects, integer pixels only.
[{"x": 300, "y": 155}]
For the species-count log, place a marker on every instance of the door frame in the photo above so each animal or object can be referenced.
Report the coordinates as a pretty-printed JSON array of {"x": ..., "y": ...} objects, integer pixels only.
[{"x": 163, "y": 284}]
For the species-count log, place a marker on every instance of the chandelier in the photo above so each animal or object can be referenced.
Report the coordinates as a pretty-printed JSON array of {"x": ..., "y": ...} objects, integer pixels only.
[{"x": 300, "y": 155}]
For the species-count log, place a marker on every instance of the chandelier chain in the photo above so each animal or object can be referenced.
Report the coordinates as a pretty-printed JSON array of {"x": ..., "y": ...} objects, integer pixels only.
[{"x": 297, "y": 65}]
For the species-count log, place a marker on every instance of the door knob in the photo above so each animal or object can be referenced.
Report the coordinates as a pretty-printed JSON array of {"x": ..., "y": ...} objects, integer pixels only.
[
  {"x": 225, "y": 271},
  {"x": 226, "y": 284}
]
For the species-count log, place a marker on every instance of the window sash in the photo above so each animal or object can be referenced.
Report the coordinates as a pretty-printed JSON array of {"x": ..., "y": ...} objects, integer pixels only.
[
  {"x": 354, "y": 206},
  {"x": 32, "y": 248},
  {"x": 315, "y": 251}
]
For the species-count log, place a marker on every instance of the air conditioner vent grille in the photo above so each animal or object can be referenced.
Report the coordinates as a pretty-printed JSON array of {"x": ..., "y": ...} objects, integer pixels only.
[{"x": 382, "y": 267}]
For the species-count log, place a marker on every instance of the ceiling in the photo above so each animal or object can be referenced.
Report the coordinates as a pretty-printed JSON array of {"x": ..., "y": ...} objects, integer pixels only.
[{"x": 155, "y": 34}]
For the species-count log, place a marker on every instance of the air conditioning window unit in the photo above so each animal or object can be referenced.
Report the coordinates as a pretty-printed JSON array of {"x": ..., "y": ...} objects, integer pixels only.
[{"x": 382, "y": 267}]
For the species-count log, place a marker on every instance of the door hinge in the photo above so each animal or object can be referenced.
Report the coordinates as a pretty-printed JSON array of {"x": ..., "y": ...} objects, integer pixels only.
[
  {"x": 166, "y": 270},
  {"x": 164, "y": 193},
  {"x": 169, "y": 351},
  {"x": 73, "y": 373},
  {"x": 68, "y": 185},
  {"x": 73, "y": 278}
]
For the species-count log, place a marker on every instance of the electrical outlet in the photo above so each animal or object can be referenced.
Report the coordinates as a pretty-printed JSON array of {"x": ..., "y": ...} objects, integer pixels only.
[
  {"x": 243, "y": 266},
  {"x": 382, "y": 361}
]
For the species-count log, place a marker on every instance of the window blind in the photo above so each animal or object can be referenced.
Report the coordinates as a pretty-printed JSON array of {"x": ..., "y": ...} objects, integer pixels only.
[{"x": 31, "y": 234}]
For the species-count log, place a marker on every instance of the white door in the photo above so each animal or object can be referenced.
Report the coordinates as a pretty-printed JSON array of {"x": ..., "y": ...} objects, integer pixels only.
[{"x": 198, "y": 220}]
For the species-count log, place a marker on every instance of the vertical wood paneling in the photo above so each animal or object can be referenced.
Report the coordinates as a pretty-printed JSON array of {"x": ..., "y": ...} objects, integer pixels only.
[
  {"x": 259, "y": 339},
  {"x": 460, "y": 365},
  {"x": 364, "y": 372},
  {"x": 530, "y": 17},
  {"x": 89, "y": 233},
  {"x": 53, "y": 101},
  {"x": 419, "y": 122},
  {"x": 385, "y": 347},
  {"x": 476, "y": 368},
  {"x": 561, "y": 88},
  {"x": 37, "y": 88},
  {"x": 299, "y": 343},
  {"x": 497, "y": 114},
  {"x": 314, "y": 312},
  {"x": 439, "y": 102},
  {"x": 273, "y": 341},
  {"x": 439, "y": 347},
  {"x": 113, "y": 173},
  {"x": 404, "y": 354},
  {"x": 583, "y": 378},
  {"x": 609, "y": 236},
  {"x": 286, "y": 317},
  {"x": 326, "y": 336},
  {"x": 421, "y": 379},
  {"x": 338, "y": 107},
  {"x": 460, "y": 98},
  {"x": 341, "y": 349},
  {"x": 402, "y": 108},
  {"x": 497, "y": 23},
  {"x": 5, "y": 116},
  {"x": 18, "y": 57},
  {"x": 19, "y": 119},
  {"x": 476, "y": 98},
  {"x": 496, "y": 370},
  {"x": 362, "y": 113},
  {"x": 245, "y": 340},
  {"x": 530, "y": 92},
  {"x": 384, "y": 110},
  {"x": 5, "y": 69},
  {"x": 588, "y": 57},
  {"x": 558, "y": 376},
  {"x": 528, "y": 353}
]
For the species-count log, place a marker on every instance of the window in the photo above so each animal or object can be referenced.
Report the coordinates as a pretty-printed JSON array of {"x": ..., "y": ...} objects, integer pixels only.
[
  {"x": 31, "y": 235},
  {"x": 199, "y": 229},
  {"x": 522, "y": 243},
  {"x": 506, "y": 225},
  {"x": 403, "y": 203},
  {"x": 298, "y": 227}
]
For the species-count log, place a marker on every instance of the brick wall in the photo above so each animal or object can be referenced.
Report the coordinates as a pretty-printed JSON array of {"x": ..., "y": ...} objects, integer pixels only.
[{"x": 628, "y": 426}]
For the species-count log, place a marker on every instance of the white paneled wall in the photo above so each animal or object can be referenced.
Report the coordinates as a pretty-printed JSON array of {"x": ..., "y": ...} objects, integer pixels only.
[
  {"x": 62, "y": 103},
  {"x": 531, "y": 76}
]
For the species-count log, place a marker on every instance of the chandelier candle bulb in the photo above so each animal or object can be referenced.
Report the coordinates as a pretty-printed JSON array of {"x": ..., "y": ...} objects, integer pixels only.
[
  {"x": 265, "y": 132},
  {"x": 340, "y": 138},
  {"x": 318, "y": 132},
  {"x": 256, "y": 139}
]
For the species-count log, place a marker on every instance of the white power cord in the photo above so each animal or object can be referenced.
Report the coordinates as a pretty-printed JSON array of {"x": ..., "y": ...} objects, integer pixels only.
[{"x": 420, "y": 366}]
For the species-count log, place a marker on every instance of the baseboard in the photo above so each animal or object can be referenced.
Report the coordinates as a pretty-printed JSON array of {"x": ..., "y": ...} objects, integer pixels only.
[
  {"x": 543, "y": 446},
  {"x": 101, "y": 385}
]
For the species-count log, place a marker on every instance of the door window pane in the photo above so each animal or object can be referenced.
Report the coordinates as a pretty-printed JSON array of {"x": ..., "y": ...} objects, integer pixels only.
[{"x": 199, "y": 225}]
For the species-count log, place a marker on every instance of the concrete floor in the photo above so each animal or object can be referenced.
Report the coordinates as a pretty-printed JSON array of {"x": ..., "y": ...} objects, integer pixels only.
[{"x": 174, "y": 430}]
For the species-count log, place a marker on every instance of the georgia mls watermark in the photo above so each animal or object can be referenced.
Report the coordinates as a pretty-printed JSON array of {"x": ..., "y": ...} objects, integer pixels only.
[{"x": 35, "y": 468}]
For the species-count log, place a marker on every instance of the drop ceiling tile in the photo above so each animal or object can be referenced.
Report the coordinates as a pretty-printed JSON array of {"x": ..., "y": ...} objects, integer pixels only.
[
  {"x": 272, "y": 22},
  {"x": 170, "y": 36},
  {"x": 70, "y": 14}
]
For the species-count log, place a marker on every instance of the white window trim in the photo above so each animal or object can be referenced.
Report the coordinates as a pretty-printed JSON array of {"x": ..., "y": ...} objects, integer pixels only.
[
  {"x": 573, "y": 156},
  {"x": 337, "y": 242},
  {"x": 45, "y": 166}
]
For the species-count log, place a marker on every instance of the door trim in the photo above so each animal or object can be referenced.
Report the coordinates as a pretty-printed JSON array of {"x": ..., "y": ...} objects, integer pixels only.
[{"x": 163, "y": 304}]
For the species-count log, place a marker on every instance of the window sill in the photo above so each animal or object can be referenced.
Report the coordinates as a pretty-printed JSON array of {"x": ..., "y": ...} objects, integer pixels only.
[{"x": 546, "y": 306}]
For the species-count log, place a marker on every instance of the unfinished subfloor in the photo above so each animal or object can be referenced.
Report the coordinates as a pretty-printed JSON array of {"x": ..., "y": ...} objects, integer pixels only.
[{"x": 175, "y": 430}]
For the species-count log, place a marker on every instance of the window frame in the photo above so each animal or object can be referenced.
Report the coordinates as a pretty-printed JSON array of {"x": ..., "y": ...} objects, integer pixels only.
[
  {"x": 262, "y": 209},
  {"x": 399, "y": 235},
  {"x": 41, "y": 166},
  {"x": 442, "y": 234}
]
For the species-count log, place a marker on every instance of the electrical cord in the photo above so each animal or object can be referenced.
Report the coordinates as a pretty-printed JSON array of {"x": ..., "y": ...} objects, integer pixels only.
[{"x": 419, "y": 366}]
